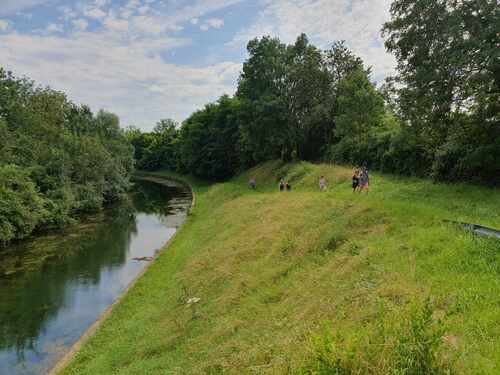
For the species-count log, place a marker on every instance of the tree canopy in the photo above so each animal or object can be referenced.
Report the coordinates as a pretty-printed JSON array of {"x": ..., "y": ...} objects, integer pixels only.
[{"x": 57, "y": 159}]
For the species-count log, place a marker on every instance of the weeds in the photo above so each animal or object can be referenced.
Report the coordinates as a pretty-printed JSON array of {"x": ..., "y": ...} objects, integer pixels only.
[{"x": 410, "y": 349}]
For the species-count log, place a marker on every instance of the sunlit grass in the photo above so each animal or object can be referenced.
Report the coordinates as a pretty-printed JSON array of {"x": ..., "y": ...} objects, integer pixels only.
[{"x": 285, "y": 277}]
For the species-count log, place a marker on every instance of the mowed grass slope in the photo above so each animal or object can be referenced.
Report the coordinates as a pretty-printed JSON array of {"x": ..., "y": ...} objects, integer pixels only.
[{"x": 310, "y": 282}]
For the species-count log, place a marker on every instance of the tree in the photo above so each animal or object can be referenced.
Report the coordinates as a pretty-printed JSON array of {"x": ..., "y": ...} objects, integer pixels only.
[
  {"x": 306, "y": 96},
  {"x": 449, "y": 64},
  {"x": 209, "y": 140},
  {"x": 57, "y": 159},
  {"x": 159, "y": 148},
  {"x": 21, "y": 206}
]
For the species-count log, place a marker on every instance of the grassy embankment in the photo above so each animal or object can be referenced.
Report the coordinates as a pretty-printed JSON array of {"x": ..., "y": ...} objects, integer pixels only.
[{"x": 331, "y": 283}]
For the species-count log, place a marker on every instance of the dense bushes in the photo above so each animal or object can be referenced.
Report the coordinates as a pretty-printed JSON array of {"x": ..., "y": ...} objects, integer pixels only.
[{"x": 57, "y": 160}]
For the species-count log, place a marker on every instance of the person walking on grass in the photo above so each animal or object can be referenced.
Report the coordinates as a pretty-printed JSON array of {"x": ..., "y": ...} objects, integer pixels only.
[
  {"x": 355, "y": 181},
  {"x": 364, "y": 181},
  {"x": 322, "y": 183},
  {"x": 282, "y": 184},
  {"x": 288, "y": 186},
  {"x": 252, "y": 183}
]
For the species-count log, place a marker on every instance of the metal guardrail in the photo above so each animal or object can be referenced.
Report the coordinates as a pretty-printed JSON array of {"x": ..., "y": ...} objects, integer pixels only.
[{"x": 476, "y": 228}]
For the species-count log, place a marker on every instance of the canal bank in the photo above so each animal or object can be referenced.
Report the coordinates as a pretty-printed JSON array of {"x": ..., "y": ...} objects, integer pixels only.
[{"x": 63, "y": 362}]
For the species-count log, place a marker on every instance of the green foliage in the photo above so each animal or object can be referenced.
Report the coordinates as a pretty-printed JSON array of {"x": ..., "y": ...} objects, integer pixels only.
[
  {"x": 449, "y": 64},
  {"x": 158, "y": 149},
  {"x": 21, "y": 205},
  {"x": 411, "y": 348},
  {"x": 209, "y": 140},
  {"x": 57, "y": 159},
  {"x": 438, "y": 117}
]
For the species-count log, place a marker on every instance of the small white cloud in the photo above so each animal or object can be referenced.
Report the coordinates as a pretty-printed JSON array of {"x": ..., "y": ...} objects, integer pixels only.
[
  {"x": 116, "y": 24},
  {"x": 147, "y": 25},
  {"x": 67, "y": 13},
  {"x": 55, "y": 28},
  {"x": 194, "y": 21},
  {"x": 95, "y": 13},
  {"x": 216, "y": 23},
  {"x": 101, "y": 3},
  {"x": 133, "y": 4},
  {"x": 4, "y": 25},
  {"x": 144, "y": 9},
  {"x": 80, "y": 24}
]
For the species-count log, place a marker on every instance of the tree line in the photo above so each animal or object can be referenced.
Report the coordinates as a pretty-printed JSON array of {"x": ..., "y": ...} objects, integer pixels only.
[
  {"x": 438, "y": 116},
  {"x": 58, "y": 160}
]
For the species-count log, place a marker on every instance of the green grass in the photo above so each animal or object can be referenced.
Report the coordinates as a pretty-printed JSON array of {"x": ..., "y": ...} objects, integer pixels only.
[{"x": 315, "y": 283}]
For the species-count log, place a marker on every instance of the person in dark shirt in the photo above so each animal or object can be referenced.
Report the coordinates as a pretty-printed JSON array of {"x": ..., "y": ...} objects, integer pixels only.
[
  {"x": 288, "y": 187},
  {"x": 355, "y": 181}
]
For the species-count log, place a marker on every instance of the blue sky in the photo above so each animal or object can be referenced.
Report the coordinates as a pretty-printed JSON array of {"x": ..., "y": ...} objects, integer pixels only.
[{"x": 150, "y": 59}]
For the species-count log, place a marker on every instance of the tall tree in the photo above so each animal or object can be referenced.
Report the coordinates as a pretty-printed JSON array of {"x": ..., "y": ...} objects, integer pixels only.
[
  {"x": 449, "y": 68},
  {"x": 448, "y": 60},
  {"x": 260, "y": 91}
]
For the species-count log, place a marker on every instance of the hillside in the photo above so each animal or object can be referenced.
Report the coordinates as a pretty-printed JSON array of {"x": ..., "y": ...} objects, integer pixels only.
[{"x": 314, "y": 282}]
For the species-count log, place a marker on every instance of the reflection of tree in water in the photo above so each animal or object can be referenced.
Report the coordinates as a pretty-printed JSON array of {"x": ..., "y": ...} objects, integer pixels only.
[
  {"x": 154, "y": 198},
  {"x": 31, "y": 297}
]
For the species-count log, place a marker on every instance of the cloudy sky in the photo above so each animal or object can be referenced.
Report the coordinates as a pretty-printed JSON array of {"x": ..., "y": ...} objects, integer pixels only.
[{"x": 150, "y": 59}]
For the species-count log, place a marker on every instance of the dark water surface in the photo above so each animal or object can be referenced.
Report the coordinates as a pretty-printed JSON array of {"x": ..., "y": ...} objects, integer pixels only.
[{"x": 55, "y": 287}]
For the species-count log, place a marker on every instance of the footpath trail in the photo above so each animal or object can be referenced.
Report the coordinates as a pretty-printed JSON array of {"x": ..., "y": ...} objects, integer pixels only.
[{"x": 263, "y": 282}]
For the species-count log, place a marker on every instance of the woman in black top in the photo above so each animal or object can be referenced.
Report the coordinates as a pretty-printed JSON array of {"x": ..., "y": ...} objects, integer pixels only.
[{"x": 355, "y": 181}]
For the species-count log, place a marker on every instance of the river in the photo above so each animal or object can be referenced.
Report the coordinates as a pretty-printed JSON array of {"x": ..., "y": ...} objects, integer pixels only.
[{"x": 54, "y": 287}]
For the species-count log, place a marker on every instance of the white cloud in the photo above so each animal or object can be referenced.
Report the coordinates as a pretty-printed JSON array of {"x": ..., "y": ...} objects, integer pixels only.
[
  {"x": 358, "y": 22},
  {"x": 120, "y": 64},
  {"x": 216, "y": 23},
  {"x": 95, "y": 13},
  {"x": 8, "y": 7},
  {"x": 194, "y": 21},
  {"x": 67, "y": 13},
  {"x": 133, "y": 4},
  {"x": 143, "y": 9},
  {"x": 80, "y": 24},
  {"x": 124, "y": 75},
  {"x": 4, "y": 25},
  {"x": 101, "y": 3},
  {"x": 115, "y": 24},
  {"x": 55, "y": 28}
]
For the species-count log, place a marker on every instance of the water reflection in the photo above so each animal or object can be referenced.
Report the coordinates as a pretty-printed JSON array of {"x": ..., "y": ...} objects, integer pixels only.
[{"x": 52, "y": 289}]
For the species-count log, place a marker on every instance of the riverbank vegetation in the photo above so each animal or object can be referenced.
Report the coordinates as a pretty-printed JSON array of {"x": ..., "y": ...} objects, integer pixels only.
[
  {"x": 438, "y": 116},
  {"x": 58, "y": 160},
  {"x": 314, "y": 282}
]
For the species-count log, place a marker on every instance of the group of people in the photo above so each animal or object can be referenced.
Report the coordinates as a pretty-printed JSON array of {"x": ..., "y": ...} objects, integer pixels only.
[{"x": 360, "y": 182}]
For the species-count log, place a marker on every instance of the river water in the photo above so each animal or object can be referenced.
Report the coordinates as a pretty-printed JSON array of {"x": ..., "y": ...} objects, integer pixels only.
[{"x": 53, "y": 288}]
